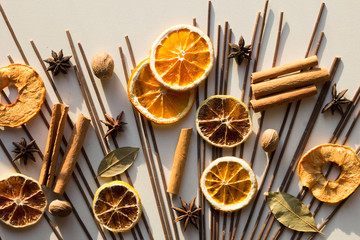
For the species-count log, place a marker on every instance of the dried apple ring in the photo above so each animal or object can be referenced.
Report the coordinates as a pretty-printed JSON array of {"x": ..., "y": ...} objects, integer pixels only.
[
  {"x": 311, "y": 176},
  {"x": 31, "y": 94}
]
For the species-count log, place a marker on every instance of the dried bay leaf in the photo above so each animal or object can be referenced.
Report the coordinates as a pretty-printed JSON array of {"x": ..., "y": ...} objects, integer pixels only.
[
  {"x": 291, "y": 212},
  {"x": 117, "y": 161}
]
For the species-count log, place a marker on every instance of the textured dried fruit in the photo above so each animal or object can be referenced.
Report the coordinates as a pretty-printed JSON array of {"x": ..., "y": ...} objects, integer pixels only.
[
  {"x": 22, "y": 201},
  {"x": 223, "y": 121},
  {"x": 228, "y": 183},
  {"x": 103, "y": 65},
  {"x": 311, "y": 176},
  {"x": 60, "y": 208},
  {"x": 117, "y": 206},
  {"x": 31, "y": 94}
]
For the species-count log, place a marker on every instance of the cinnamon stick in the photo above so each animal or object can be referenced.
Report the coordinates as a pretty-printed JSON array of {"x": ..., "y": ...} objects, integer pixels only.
[
  {"x": 284, "y": 69},
  {"x": 56, "y": 130},
  {"x": 179, "y": 161},
  {"x": 290, "y": 82},
  {"x": 282, "y": 98},
  {"x": 72, "y": 153}
]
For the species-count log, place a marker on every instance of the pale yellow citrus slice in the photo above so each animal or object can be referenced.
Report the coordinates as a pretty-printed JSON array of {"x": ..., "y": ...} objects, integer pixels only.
[
  {"x": 223, "y": 121},
  {"x": 228, "y": 183},
  {"x": 311, "y": 175},
  {"x": 182, "y": 57},
  {"x": 22, "y": 201},
  {"x": 154, "y": 101},
  {"x": 117, "y": 206}
]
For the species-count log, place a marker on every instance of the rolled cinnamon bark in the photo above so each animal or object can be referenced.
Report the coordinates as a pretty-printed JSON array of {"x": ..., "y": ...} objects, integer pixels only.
[
  {"x": 282, "y": 98},
  {"x": 51, "y": 155},
  {"x": 284, "y": 69},
  {"x": 179, "y": 161},
  {"x": 72, "y": 153},
  {"x": 290, "y": 82}
]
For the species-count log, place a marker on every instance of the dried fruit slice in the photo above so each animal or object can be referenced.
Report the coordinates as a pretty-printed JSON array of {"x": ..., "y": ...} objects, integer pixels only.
[
  {"x": 182, "y": 57},
  {"x": 223, "y": 121},
  {"x": 157, "y": 103},
  {"x": 228, "y": 183},
  {"x": 117, "y": 206},
  {"x": 311, "y": 176},
  {"x": 31, "y": 94},
  {"x": 22, "y": 201}
]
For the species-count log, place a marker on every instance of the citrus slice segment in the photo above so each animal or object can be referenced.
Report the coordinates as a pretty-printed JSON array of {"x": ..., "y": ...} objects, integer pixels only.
[
  {"x": 223, "y": 121},
  {"x": 228, "y": 183},
  {"x": 311, "y": 175},
  {"x": 154, "y": 101},
  {"x": 22, "y": 201},
  {"x": 182, "y": 57},
  {"x": 117, "y": 206}
]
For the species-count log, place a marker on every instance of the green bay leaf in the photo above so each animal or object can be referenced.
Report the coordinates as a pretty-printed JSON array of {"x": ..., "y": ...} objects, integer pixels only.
[
  {"x": 117, "y": 161},
  {"x": 291, "y": 212}
]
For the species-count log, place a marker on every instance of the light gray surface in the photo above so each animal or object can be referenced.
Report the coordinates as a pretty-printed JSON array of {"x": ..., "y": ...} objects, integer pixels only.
[{"x": 102, "y": 25}]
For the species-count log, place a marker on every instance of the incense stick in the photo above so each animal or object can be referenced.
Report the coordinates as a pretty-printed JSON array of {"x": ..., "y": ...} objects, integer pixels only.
[{"x": 138, "y": 120}]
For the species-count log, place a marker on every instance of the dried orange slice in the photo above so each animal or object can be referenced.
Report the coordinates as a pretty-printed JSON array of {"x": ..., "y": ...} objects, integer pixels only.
[
  {"x": 157, "y": 103},
  {"x": 182, "y": 57},
  {"x": 22, "y": 201},
  {"x": 228, "y": 183},
  {"x": 117, "y": 206},
  {"x": 31, "y": 94},
  {"x": 223, "y": 121},
  {"x": 311, "y": 176}
]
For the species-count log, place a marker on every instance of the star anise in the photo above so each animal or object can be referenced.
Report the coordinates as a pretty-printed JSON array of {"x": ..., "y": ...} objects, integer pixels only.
[
  {"x": 114, "y": 126},
  {"x": 187, "y": 213},
  {"x": 240, "y": 52},
  {"x": 58, "y": 63},
  {"x": 24, "y": 151},
  {"x": 337, "y": 101}
]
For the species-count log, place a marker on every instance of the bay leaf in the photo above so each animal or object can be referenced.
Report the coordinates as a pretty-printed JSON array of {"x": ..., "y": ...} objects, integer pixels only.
[
  {"x": 291, "y": 212},
  {"x": 117, "y": 161}
]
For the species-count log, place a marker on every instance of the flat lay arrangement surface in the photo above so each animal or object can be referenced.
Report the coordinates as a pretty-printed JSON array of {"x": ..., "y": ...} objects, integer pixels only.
[{"x": 179, "y": 120}]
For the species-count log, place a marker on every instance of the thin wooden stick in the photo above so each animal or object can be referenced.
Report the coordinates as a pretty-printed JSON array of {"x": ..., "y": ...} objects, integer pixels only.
[
  {"x": 281, "y": 130},
  {"x": 138, "y": 120},
  {"x": 51, "y": 224},
  {"x": 114, "y": 139},
  {"x": 158, "y": 161},
  {"x": 306, "y": 135},
  {"x": 223, "y": 57},
  {"x": 227, "y": 62},
  {"x": 217, "y": 60},
  {"x": 315, "y": 27},
  {"x": 233, "y": 228}
]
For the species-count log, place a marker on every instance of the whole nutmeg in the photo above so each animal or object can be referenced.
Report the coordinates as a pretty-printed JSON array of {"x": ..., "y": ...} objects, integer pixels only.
[
  {"x": 102, "y": 65},
  {"x": 269, "y": 140},
  {"x": 60, "y": 208}
]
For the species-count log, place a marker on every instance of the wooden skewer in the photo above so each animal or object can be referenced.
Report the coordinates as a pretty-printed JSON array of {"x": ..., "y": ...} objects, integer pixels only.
[
  {"x": 102, "y": 106},
  {"x": 138, "y": 120}
]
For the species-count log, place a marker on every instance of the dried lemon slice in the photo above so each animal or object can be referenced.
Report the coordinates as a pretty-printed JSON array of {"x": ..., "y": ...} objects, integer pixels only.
[
  {"x": 311, "y": 176},
  {"x": 117, "y": 206},
  {"x": 157, "y": 103},
  {"x": 223, "y": 121},
  {"x": 228, "y": 183},
  {"x": 182, "y": 57},
  {"x": 22, "y": 201},
  {"x": 31, "y": 94}
]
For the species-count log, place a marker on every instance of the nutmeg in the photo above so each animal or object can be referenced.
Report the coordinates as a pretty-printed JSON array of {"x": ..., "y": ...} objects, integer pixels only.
[
  {"x": 269, "y": 140},
  {"x": 102, "y": 65},
  {"x": 60, "y": 208}
]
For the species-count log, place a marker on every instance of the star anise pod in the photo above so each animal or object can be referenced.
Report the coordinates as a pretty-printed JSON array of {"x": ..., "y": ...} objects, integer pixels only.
[
  {"x": 114, "y": 126},
  {"x": 187, "y": 213},
  {"x": 58, "y": 63},
  {"x": 24, "y": 151},
  {"x": 240, "y": 51},
  {"x": 337, "y": 101}
]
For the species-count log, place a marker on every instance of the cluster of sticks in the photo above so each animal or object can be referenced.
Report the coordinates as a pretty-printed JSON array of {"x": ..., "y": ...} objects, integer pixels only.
[{"x": 288, "y": 88}]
